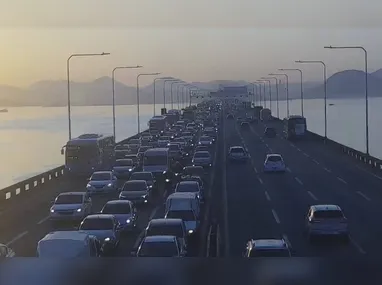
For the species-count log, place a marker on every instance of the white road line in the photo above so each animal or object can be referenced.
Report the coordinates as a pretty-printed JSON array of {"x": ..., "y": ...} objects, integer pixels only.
[
  {"x": 16, "y": 238},
  {"x": 153, "y": 213},
  {"x": 364, "y": 170},
  {"x": 327, "y": 170},
  {"x": 298, "y": 180},
  {"x": 275, "y": 216},
  {"x": 270, "y": 150},
  {"x": 164, "y": 194},
  {"x": 363, "y": 195},
  {"x": 138, "y": 240},
  {"x": 255, "y": 169},
  {"x": 267, "y": 196},
  {"x": 285, "y": 237},
  {"x": 260, "y": 180},
  {"x": 288, "y": 169},
  {"x": 292, "y": 145},
  {"x": 316, "y": 162},
  {"x": 224, "y": 186},
  {"x": 43, "y": 220},
  {"x": 343, "y": 181},
  {"x": 208, "y": 242},
  {"x": 312, "y": 195},
  {"x": 298, "y": 149},
  {"x": 307, "y": 155},
  {"x": 357, "y": 246}
]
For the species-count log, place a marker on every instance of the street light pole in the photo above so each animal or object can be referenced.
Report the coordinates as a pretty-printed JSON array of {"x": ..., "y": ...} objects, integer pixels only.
[
  {"x": 325, "y": 90},
  {"x": 301, "y": 89},
  {"x": 366, "y": 89},
  {"x": 113, "y": 83},
  {"x": 68, "y": 82},
  {"x": 277, "y": 93},
  {"x": 287, "y": 87},
  {"x": 270, "y": 92},
  {"x": 139, "y": 75},
  {"x": 164, "y": 89},
  {"x": 161, "y": 78},
  {"x": 261, "y": 85},
  {"x": 172, "y": 100}
]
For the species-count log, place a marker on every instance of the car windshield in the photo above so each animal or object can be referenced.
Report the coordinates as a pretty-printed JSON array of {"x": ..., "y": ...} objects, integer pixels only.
[
  {"x": 164, "y": 138},
  {"x": 274, "y": 158},
  {"x": 198, "y": 171},
  {"x": 237, "y": 150},
  {"x": 173, "y": 147},
  {"x": 97, "y": 224},
  {"x": 328, "y": 214},
  {"x": 165, "y": 230},
  {"x": 270, "y": 253},
  {"x": 204, "y": 139},
  {"x": 187, "y": 187},
  {"x": 100, "y": 177},
  {"x": 112, "y": 209},
  {"x": 202, "y": 154},
  {"x": 185, "y": 215},
  {"x": 154, "y": 160},
  {"x": 158, "y": 249},
  {"x": 134, "y": 186},
  {"x": 147, "y": 176},
  {"x": 69, "y": 199},
  {"x": 124, "y": 162}
]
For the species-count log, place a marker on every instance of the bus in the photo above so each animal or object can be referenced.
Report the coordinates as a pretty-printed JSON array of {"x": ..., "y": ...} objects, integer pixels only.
[
  {"x": 294, "y": 127},
  {"x": 88, "y": 153},
  {"x": 265, "y": 115},
  {"x": 158, "y": 124}
]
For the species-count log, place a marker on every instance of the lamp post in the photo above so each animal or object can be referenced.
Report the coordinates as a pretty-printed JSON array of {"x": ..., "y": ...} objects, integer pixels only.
[
  {"x": 270, "y": 91},
  {"x": 113, "y": 83},
  {"x": 277, "y": 93},
  {"x": 68, "y": 82},
  {"x": 164, "y": 89},
  {"x": 366, "y": 89},
  {"x": 172, "y": 99},
  {"x": 287, "y": 87},
  {"x": 325, "y": 90},
  {"x": 301, "y": 89},
  {"x": 262, "y": 84},
  {"x": 160, "y": 78},
  {"x": 139, "y": 75}
]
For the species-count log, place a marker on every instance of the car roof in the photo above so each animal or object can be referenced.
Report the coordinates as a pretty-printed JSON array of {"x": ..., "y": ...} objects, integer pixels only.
[
  {"x": 72, "y": 235},
  {"x": 136, "y": 182},
  {"x": 102, "y": 172},
  {"x": 142, "y": 172},
  {"x": 99, "y": 216},
  {"x": 274, "y": 155},
  {"x": 327, "y": 207},
  {"x": 159, "y": 239},
  {"x": 72, "y": 193},
  {"x": 117, "y": 202},
  {"x": 202, "y": 151},
  {"x": 193, "y": 167},
  {"x": 269, "y": 244},
  {"x": 188, "y": 182},
  {"x": 237, "y": 147},
  {"x": 162, "y": 221}
]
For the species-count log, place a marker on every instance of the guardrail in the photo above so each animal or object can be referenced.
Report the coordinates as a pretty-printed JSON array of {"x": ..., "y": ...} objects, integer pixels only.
[
  {"x": 40, "y": 180},
  {"x": 373, "y": 162}
]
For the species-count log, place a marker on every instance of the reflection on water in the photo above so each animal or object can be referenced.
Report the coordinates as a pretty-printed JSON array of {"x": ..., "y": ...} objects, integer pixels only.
[{"x": 31, "y": 137}]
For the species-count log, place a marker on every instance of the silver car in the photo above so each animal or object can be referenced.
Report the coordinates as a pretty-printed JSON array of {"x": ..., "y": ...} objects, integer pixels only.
[
  {"x": 136, "y": 191},
  {"x": 71, "y": 206},
  {"x": 202, "y": 158},
  {"x": 205, "y": 140},
  {"x": 189, "y": 186},
  {"x": 124, "y": 211},
  {"x": 102, "y": 182}
]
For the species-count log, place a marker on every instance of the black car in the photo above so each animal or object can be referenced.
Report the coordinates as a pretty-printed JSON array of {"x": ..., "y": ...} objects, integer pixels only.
[
  {"x": 229, "y": 116},
  {"x": 270, "y": 132},
  {"x": 244, "y": 125}
]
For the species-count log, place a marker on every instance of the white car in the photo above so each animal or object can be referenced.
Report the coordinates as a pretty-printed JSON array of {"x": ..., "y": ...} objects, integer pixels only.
[
  {"x": 102, "y": 182},
  {"x": 326, "y": 220},
  {"x": 274, "y": 163}
]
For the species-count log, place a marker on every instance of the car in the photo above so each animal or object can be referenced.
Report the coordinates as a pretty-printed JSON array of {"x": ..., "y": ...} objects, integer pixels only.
[
  {"x": 163, "y": 141},
  {"x": 326, "y": 220},
  {"x": 124, "y": 211},
  {"x": 102, "y": 182},
  {"x": 274, "y": 163},
  {"x": 240, "y": 119},
  {"x": 5, "y": 251},
  {"x": 193, "y": 171},
  {"x": 168, "y": 227},
  {"x": 244, "y": 125},
  {"x": 229, "y": 116},
  {"x": 237, "y": 154},
  {"x": 267, "y": 248},
  {"x": 181, "y": 141},
  {"x": 270, "y": 132},
  {"x": 202, "y": 158},
  {"x": 160, "y": 246},
  {"x": 70, "y": 206},
  {"x": 121, "y": 153},
  {"x": 136, "y": 191},
  {"x": 205, "y": 140},
  {"x": 105, "y": 228},
  {"x": 188, "y": 216},
  {"x": 189, "y": 186},
  {"x": 123, "y": 168},
  {"x": 202, "y": 148},
  {"x": 146, "y": 176}
]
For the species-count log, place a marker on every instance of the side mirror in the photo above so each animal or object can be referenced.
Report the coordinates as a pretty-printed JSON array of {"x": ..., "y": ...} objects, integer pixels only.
[{"x": 62, "y": 151}]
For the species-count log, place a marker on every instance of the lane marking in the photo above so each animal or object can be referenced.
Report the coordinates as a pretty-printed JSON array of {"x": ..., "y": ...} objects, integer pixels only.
[
  {"x": 255, "y": 169},
  {"x": 267, "y": 145},
  {"x": 298, "y": 149},
  {"x": 298, "y": 180},
  {"x": 260, "y": 180},
  {"x": 316, "y": 162},
  {"x": 343, "y": 181},
  {"x": 327, "y": 170},
  {"x": 364, "y": 170},
  {"x": 267, "y": 196},
  {"x": 363, "y": 195},
  {"x": 275, "y": 216},
  {"x": 43, "y": 220},
  {"x": 357, "y": 246},
  {"x": 270, "y": 150},
  {"x": 292, "y": 145},
  {"x": 288, "y": 169},
  {"x": 224, "y": 186},
  {"x": 285, "y": 237},
  {"x": 164, "y": 194},
  {"x": 312, "y": 195},
  {"x": 208, "y": 242},
  {"x": 16, "y": 238},
  {"x": 307, "y": 155},
  {"x": 139, "y": 239}
]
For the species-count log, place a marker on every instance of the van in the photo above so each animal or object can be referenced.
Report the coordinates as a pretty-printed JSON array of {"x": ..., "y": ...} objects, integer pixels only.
[
  {"x": 183, "y": 201},
  {"x": 68, "y": 244}
]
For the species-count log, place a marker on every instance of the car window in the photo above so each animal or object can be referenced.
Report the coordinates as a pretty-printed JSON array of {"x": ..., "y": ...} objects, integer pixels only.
[
  {"x": 97, "y": 224},
  {"x": 270, "y": 253},
  {"x": 158, "y": 249},
  {"x": 113, "y": 209},
  {"x": 100, "y": 176},
  {"x": 185, "y": 215},
  {"x": 134, "y": 186},
  {"x": 237, "y": 150},
  {"x": 69, "y": 199},
  {"x": 187, "y": 187},
  {"x": 328, "y": 214},
  {"x": 165, "y": 230},
  {"x": 202, "y": 154},
  {"x": 274, "y": 158}
]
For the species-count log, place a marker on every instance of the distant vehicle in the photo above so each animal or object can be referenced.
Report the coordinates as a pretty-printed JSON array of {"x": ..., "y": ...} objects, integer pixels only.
[
  {"x": 205, "y": 140},
  {"x": 265, "y": 115},
  {"x": 102, "y": 182},
  {"x": 187, "y": 215},
  {"x": 189, "y": 186},
  {"x": 122, "y": 153},
  {"x": 123, "y": 168},
  {"x": 160, "y": 246},
  {"x": 229, "y": 116},
  {"x": 136, "y": 191},
  {"x": 194, "y": 171},
  {"x": 88, "y": 153},
  {"x": 146, "y": 176},
  {"x": 158, "y": 162},
  {"x": 158, "y": 124},
  {"x": 274, "y": 163},
  {"x": 237, "y": 153},
  {"x": 70, "y": 206},
  {"x": 5, "y": 251},
  {"x": 202, "y": 158},
  {"x": 294, "y": 127},
  {"x": 124, "y": 211},
  {"x": 324, "y": 220},
  {"x": 244, "y": 125},
  {"x": 202, "y": 148},
  {"x": 270, "y": 132},
  {"x": 267, "y": 248}
]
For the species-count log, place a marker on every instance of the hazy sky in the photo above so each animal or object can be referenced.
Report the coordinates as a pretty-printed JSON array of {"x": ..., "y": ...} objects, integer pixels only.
[{"x": 193, "y": 40}]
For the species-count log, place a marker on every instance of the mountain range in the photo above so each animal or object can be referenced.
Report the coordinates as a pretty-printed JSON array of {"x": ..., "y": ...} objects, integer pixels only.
[{"x": 344, "y": 84}]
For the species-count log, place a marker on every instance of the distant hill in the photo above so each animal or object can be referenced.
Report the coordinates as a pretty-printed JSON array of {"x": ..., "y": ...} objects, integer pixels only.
[{"x": 344, "y": 84}]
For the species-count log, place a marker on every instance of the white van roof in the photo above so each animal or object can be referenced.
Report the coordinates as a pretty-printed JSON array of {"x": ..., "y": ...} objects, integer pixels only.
[
  {"x": 156, "y": 151},
  {"x": 182, "y": 195}
]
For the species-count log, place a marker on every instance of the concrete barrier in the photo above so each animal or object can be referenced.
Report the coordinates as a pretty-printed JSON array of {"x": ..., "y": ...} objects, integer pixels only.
[{"x": 41, "y": 180}]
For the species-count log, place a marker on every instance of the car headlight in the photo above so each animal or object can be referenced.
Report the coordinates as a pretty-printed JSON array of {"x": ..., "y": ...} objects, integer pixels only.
[
  {"x": 210, "y": 142},
  {"x": 109, "y": 185},
  {"x": 52, "y": 210},
  {"x": 88, "y": 185},
  {"x": 164, "y": 172},
  {"x": 130, "y": 169},
  {"x": 128, "y": 221},
  {"x": 79, "y": 210},
  {"x": 167, "y": 180},
  {"x": 150, "y": 186},
  {"x": 210, "y": 164},
  {"x": 190, "y": 231},
  {"x": 199, "y": 143},
  {"x": 107, "y": 239}
]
